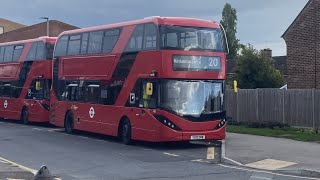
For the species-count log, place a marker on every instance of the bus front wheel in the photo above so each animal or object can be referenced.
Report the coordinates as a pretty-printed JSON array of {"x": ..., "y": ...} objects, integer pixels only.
[
  {"x": 68, "y": 123},
  {"x": 125, "y": 131},
  {"x": 25, "y": 116}
]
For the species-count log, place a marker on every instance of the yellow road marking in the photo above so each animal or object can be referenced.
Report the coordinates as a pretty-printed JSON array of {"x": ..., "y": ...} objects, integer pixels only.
[
  {"x": 210, "y": 153},
  {"x": 270, "y": 164}
]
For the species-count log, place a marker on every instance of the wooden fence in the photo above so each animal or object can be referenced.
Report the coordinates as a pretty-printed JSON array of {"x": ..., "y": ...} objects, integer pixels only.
[{"x": 293, "y": 107}]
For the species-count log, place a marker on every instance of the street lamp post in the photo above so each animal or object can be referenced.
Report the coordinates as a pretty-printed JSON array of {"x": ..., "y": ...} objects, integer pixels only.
[{"x": 46, "y": 18}]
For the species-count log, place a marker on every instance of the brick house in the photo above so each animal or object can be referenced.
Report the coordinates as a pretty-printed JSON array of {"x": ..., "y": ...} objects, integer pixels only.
[
  {"x": 6, "y": 26},
  {"x": 36, "y": 30},
  {"x": 303, "y": 48}
]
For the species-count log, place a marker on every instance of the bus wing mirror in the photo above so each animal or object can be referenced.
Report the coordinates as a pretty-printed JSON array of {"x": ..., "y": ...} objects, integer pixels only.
[
  {"x": 38, "y": 85},
  {"x": 149, "y": 89}
]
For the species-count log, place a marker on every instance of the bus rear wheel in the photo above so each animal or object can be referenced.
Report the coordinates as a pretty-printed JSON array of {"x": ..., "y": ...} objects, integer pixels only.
[
  {"x": 25, "y": 116},
  {"x": 68, "y": 123},
  {"x": 125, "y": 131}
]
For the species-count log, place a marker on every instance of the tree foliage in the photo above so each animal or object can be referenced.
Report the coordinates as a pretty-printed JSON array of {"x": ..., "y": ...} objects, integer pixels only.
[
  {"x": 254, "y": 70},
  {"x": 229, "y": 22}
]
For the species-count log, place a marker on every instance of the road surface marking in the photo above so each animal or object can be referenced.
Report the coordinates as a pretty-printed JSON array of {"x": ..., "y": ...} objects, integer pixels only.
[
  {"x": 56, "y": 130},
  {"x": 171, "y": 154},
  {"x": 270, "y": 164},
  {"x": 233, "y": 161},
  {"x": 84, "y": 137},
  {"x": 210, "y": 153},
  {"x": 267, "y": 172},
  {"x": 20, "y": 166},
  {"x": 258, "y": 177},
  {"x": 200, "y": 160},
  {"x": 37, "y": 129}
]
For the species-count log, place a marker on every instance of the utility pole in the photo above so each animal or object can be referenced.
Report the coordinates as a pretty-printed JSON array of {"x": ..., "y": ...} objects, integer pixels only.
[{"x": 48, "y": 26}]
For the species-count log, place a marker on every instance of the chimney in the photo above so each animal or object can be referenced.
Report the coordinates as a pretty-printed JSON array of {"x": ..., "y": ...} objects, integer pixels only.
[{"x": 267, "y": 53}]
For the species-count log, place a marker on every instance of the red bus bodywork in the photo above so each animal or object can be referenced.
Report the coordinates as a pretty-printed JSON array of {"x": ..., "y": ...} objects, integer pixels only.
[
  {"x": 149, "y": 64},
  {"x": 19, "y": 77}
]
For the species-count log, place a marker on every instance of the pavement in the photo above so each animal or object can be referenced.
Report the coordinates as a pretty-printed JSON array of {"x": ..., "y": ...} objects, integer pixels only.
[
  {"x": 274, "y": 153},
  {"x": 91, "y": 156}
]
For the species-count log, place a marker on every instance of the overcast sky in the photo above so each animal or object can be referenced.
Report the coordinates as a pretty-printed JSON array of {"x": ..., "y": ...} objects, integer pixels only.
[{"x": 260, "y": 23}]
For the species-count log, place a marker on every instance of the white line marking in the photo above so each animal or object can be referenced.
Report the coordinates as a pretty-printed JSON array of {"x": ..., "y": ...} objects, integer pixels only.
[
  {"x": 37, "y": 129},
  {"x": 171, "y": 154},
  {"x": 200, "y": 160},
  {"x": 20, "y": 166},
  {"x": 83, "y": 137},
  {"x": 258, "y": 177},
  {"x": 267, "y": 172},
  {"x": 234, "y": 161},
  {"x": 56, "y": 130}
]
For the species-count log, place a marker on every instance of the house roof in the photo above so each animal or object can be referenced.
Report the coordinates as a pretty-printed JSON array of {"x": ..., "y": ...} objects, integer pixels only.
[
  {"x": 297, "y": 18},
  {"x": 280, "y": 63},
  {"x": 11, "y": 22}
]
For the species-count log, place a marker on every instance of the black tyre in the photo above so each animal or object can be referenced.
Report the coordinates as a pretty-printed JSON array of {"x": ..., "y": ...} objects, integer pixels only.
[
  {"x": 125, "y": 131},
  {"x": 68, "y": 123},
  {"x": 25, "y": 116}
]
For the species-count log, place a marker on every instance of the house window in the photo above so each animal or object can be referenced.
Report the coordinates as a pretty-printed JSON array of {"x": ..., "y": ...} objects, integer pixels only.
[{"x": 1, "y": 29}]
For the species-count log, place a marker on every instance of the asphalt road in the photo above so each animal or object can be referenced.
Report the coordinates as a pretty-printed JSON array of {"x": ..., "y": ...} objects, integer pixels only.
[{"x": 91, "y": 156}]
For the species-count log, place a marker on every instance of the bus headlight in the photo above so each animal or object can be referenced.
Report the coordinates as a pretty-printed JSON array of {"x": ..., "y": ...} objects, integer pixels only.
[
  {"x": 221, "y": 124},
  {"x": 165, "y": 121}
]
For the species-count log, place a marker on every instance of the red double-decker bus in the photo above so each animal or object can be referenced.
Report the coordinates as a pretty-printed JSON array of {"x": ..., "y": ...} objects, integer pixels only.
[
  {"x": 25, "y": 79},
  {"x": 155, "y": 79}
]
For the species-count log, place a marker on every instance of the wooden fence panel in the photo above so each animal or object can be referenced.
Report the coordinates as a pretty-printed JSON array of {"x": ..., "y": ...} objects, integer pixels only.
[
  {"x": 231, "y": 104},
  {"x": 247, "y": 104},
  {"x": 317, "y": 109},
  {"x": 294, "y": 107},
  {"x": 270, "y": 105},
  {"x": 299, "y": 107}
]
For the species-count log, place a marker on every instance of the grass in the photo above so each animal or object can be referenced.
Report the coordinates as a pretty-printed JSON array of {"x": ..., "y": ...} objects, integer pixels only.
[{"x": 307, "y": 135}]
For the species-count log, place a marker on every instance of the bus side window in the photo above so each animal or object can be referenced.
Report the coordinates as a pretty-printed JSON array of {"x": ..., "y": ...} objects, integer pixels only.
[
  {"x": 95, "y": 42},
  {"x": 136, "y": 39},
  {"x": 93, "y": 92},
  {"x": 7, "y": 90},
  {"x": 8, "y": 53},
  {"x": 41, "y": 48},
  {"x": 32, "y": 52},
  {"x": 150, "y": 36},
  {"x": 61, "y": 47}
]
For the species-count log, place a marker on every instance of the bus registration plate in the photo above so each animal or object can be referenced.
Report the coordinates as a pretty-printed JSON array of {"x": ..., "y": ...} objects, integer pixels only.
[{"x": 197, "y": 137}]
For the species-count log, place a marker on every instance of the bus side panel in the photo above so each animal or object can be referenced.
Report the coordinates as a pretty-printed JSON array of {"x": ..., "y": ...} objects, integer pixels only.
[
  {"x": 37, "y": 113},
  {"x": 10, "y": 108},
  {"x": 97, "y": 118},
  {"x": 143, "y": 124},
  {"x": 9, "y": 70}
]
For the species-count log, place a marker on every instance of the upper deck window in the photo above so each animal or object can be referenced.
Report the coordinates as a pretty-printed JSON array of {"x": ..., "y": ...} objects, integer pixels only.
[
  {"x": 95, "y": 42},
  {"x": 61, "y": 47},
  {"x": 191, "y": 38},
  {"x": 74, "y": 45},
  {"x": 40, "y": 51},
  {"x": 144, "y": 37},
  {"x": 1, "y": 54}
]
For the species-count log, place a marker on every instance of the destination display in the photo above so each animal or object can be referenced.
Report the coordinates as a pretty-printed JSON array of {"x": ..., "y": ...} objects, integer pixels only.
[{"x": 196, "y": 63}]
